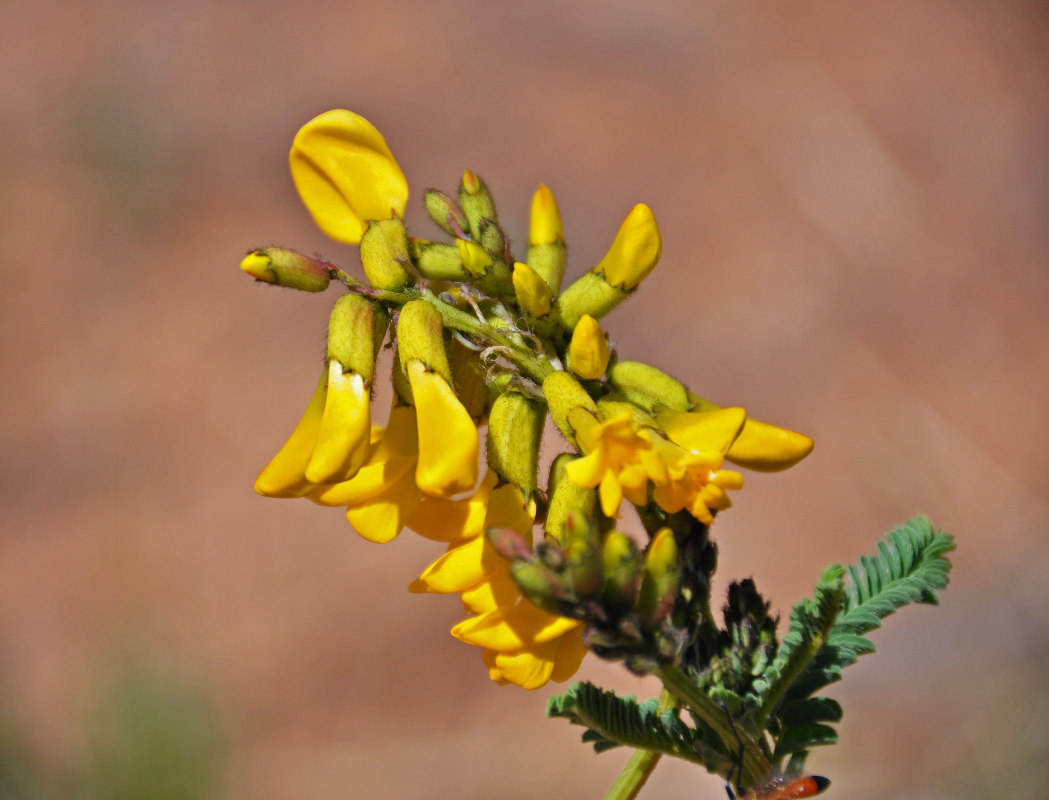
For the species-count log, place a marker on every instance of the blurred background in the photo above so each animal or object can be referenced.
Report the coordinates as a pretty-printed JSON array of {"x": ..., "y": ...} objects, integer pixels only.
[{"x": 854, "y": 201}]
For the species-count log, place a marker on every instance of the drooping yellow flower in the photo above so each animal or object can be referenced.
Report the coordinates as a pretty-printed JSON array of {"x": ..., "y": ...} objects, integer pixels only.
[
  {"x": 346, "y": 175},
  {"x": 448, "y": 444},
  {"x": 616, "y": 458},
  {"x": 525, "y": 645},
  {"x": 545, "y": 647},
  {"x": 381, "y": 497}
]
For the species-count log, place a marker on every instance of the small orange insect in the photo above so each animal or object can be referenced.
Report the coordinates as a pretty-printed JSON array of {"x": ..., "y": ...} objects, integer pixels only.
[{"x": 784, "y": 787}]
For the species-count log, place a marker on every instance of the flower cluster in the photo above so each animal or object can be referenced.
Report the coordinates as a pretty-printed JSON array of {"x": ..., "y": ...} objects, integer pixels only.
[{"x": 482, "y": 339}]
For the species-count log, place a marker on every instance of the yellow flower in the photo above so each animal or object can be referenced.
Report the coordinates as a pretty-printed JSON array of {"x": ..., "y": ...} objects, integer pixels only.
[
  {"x": 618, "y": 459},
  {"x": 523, "y": 645},
  {"x": 381, "y": 497},
  {"x": 346, "y": 175},
  {"x": 448, "y": 445},
  {"x": 695, "y": 480}
]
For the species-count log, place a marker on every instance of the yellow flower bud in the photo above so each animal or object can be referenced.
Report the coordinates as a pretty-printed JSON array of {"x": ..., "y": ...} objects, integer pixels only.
[
  {"x": 533, "y": 293},
  {"x": 286, "y": 268},
  {"x": 439, "y": 262},
  {"x": 588, "y": 351},
  {"x": 515, "y": 427},
  {"x": 420, "y": 335},
  {"x": 545, "y": 225},
  {"x": 345, "y": 174},
  {"x": 635, "y": 251},
  {"x": 563, "y": 394},
  {"x": 384, "y": 252},
  {"x": 566, "y": 498},
  {"x": 476, "y": 202},
  {"x": 475, "y": 258},
  {"x": 647, "y": 387}
]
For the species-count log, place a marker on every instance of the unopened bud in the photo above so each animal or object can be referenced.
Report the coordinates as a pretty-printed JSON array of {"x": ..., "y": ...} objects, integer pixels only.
[
  {"x": 566, "y": 499},
  {"x": 588, "y": 351},
  {"x": 515, "y": 427},
  {"x": 541, "y": 586},
  {"x": 439, "y": 262},
  {"x": 564, "y": 393},
  {"x": 660, "y": 580},
  {"x": 633, "y": 254},
  {"x": 384, "y": 252},
  {"x": 492, "y": 239},
  {"x": 287, "y": 268},
  {"x": 622, "y": 565},
  {"x": 475, "y": 259},
  {"x": 509, "y": 544},
  {"x": 647, "y": 387},
  {"x": 445, "y": 213},
  {"x": 476, "y": 202},
  {"x": 533, "y": 293},
  {"x": 420, "y": 335},
  {"x": 583, "y": 562}
]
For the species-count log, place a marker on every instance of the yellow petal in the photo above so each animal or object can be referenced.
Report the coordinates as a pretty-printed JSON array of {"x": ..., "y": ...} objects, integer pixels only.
[
  {"x": 497, "y": 590},
  {"x": 475, "y": 258},
  {"x": 530, "y": 669},
  {"x": 545, "y": 220},
  {"x": 448, "y": 445},
  {"x": 514, "y": 628},
  {"x": 533, "y": 294},
  {"x": 635, "y": 251},
  {"x": 767, "y": 448},
  {"x": 588, "y": 351},
  {"x": 454, "y": 520},
  {"x": 700, "y": 431},
  {"x": 342, "y": 441},
  {"x": 507, "y": 508},
  {"x": 461, "y": 568},
  {"x": 382, "y": 517},
  {"x": 285, "y": 475},
  {"x": 587, "y": 472},
  {"x": 570, "y": 653},
  {"x": 346, "y": 175},
  {"x": 611, "y": 494}
]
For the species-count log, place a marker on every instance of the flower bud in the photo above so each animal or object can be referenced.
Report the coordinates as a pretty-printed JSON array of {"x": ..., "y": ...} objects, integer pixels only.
[
  {"x": 445, "y": 213},
  {"x": 476, "y": 202},
  {"x": 546, "y": 246},
  {"x": 475, "y": 259},
  {"x": 622, "y": 565},
  {"x": 533, "y": 294},
  {"x": 541, "y": 586},
  {"x": 509, "y": 544},
  {"x": 436, "y": 261},
  {"x": 660, "y": 579},
  {"x": 583, "y": 562},
  {"x": 287, "y": 268},
  {"x": 635, "y": 251},
  {"x": 515, "y": 427},
  {"x": 384, "y": 252},
  {"x": 633, "y": 255},
  {"x": 420, "y": 335},
  {"x": 492, "y": 239},
  {"x": 588, "y": 351},
  {"x": 564, "y": 393},
  {"x": 566, "y": 498},
  {"x": 647, "y": 387},
  {"x": 345, "y": 174}
]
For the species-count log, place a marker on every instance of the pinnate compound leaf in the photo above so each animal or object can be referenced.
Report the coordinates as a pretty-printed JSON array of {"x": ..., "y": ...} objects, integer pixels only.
[{"x": 614, "y": 721}]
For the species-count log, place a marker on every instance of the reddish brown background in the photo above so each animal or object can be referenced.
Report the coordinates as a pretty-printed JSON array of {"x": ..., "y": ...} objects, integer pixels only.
[{"x": 854, "y": 202}]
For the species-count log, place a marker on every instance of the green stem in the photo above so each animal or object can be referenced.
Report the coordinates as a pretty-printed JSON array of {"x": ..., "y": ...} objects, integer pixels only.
[
  {"x": 756, "y": 764},
  {"x": 640, "y": 765}
]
